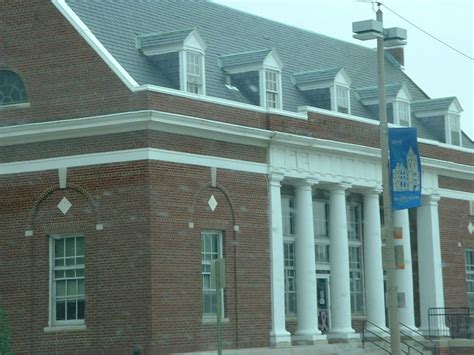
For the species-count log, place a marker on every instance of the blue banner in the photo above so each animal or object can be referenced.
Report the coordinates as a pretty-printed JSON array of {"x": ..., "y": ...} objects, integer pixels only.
[{"x": 405, "y": 168}]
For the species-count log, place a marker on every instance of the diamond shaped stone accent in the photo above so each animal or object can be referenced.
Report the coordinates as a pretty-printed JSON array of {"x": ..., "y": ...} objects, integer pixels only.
[
  {"x": 64, "y": 205},
  {"x": 212, "y": 203}
]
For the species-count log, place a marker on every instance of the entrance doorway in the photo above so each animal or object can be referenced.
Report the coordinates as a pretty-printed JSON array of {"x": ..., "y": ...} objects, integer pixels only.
[{"x": 322, "y": 291}]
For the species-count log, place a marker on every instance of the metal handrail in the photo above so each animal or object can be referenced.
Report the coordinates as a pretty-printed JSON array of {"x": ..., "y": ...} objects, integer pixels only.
[
  {"x": 432, "y": 343},
  {"x": 384, "y": 339}
]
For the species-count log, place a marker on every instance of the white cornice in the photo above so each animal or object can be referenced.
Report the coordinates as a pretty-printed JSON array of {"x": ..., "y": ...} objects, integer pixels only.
[{"x": 198, "y": 127}]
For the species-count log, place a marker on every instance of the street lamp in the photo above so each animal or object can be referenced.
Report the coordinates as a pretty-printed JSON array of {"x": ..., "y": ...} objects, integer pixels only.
[{"x": 367, "y": 30}]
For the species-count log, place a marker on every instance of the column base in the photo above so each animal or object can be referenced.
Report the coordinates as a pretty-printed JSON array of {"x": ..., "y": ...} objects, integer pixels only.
[
  {"x": 281, "y": 339},
  {"x": 308, "y": 337}
]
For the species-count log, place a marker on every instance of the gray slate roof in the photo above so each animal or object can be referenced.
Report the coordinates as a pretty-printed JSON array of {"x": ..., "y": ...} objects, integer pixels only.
[
  {"x": 162, "y": 38},
  {"x": 314, "y": 76},
  {"x": 432, "y": 105},
  {"x": 243, "y": 58},
  {"x": 372, "y": 91},
  {"x": 228, "y": 32}
]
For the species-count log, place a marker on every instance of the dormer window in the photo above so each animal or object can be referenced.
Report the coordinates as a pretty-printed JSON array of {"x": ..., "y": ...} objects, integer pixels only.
[
  {"x": 327, "y": 89},
  {"x": 342, "y": 99},
  {"x": 397, "y": 99},
  {"x": 403, "y": 114},
  {"x": 454, "y": 129},
  {"x": 194, "y": 72},
  {"x": 256, "y": 75},
  {"x": 442, "y": 116},
  {"x": 180, "y": 57},
  {"x": 271, "y": 89}
]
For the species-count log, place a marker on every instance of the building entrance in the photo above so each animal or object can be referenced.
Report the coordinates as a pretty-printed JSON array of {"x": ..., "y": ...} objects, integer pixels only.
[{"x": 322, "y": 286}]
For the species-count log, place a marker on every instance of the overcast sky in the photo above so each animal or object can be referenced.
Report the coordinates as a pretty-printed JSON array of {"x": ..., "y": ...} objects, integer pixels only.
[{"x": 438, "y": 70}]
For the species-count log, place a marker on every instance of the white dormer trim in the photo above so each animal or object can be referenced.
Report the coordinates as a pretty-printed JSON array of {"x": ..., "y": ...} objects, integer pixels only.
[
  {"x": 342, "y": 81},
  {"x": 452, "y": 120},
  {"x": 193, "y": 42},
  {"x": 272, "y": 61},
  {"x": 183, "y": 70},
  {"x": 403, "y": 97}
]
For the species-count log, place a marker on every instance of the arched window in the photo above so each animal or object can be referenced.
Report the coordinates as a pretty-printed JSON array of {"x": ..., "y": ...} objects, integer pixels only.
[{"x": 12, "y": 89}]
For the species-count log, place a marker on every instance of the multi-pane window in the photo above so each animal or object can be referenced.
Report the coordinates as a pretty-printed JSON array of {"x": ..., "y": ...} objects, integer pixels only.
[
  {"x": 288, "y": 219},
  {"x": 354, "y": 234},
  {"x": 321, "y": 232},
  {"x": 271, "y": 89},
  {"x": 290, "y": 278},
  {"x": 454, "y": 129},
  {"x": 68, "y": 288},
  {"x": 342, "y": 99},
  {"x": 12, "y": 89},
  {"x": 194, "y": 72},
  {"x": 356, "y": 279},
  {"x": 469, "y": 259},
  {"x": 211, "y": 249},
  {"x": 403, "y": 113}
]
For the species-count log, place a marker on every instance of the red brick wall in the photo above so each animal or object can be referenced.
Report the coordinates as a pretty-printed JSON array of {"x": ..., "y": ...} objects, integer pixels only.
[
  {"x": 177, "y": 285},
  {"x": 447, "y": 182},
  {"x": 131, "y": 140},
  {"x": 64, "y": 77},
  {"x": 455, "y": 238}
]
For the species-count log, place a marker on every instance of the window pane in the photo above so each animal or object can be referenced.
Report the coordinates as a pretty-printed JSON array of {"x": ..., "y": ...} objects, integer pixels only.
[
  {"x": 60, "y": 288},
  {"x": 59, "y": 262},
  {"x": 80, "y": 287},
  {"x": 69, "y": 246},
  {"x": 71, "y": 310},
  {"x": 80, "y": 309},
  {"x": 59, "y": 248},
  {"x": 70, "y": 261},
  {"x": 80, "y": 246},
  {"x": 60, "y": 310},
  {"x": 71, "y": 287},
  {"x": 59, "y": 274}
]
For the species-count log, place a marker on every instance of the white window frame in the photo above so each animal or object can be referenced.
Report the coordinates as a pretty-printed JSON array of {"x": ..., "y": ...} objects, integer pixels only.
[
  {"x": 186, "y": 74},
  {"x": 266, "y": 89},
  {"x": 356, "y": 242},
  {"x": 52, "y": 282},
  {"x": 453, "y": 126},
  {"x": 206, "y": 264},
  {"x": 321, "y": 240},
  {"x": 398, "y": 113},
  {"x": 288, "y": 223},
  {"x": 469, "y": 268},
  {"x": 342, "y": 100}
]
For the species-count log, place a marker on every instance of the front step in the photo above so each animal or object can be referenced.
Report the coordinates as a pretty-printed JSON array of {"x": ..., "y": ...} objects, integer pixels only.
[{"x": 354, "y": 347}]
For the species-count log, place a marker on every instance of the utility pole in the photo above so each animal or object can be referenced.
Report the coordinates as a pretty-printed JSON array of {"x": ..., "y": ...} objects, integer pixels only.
[
  {"x": 394, "y": 324},
  {"x": 366, "y": 30}
]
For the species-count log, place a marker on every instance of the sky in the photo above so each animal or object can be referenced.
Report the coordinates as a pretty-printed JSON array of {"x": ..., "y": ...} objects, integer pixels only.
[{"x": 437, "y": 69}]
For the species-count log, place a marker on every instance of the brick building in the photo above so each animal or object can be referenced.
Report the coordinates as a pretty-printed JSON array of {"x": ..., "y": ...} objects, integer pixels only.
[{"x": 139, "y": 141}]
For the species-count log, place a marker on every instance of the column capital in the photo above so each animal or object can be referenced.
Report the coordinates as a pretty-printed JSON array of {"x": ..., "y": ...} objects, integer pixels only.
[
  {"x": 373, "y": 191},
  {"x": 431, "y": 199},
  {"x": 308, "y": 182},
  {"x": 341, "y": 186},
  {"x": 276, "y": 178}
]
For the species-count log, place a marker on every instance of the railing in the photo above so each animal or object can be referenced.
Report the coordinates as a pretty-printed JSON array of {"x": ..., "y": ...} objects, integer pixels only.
[
  {"x": 453, "y": 322},
  {"x": 409, "y": 334},
  {"x": 374, "y": 336},
  {"x": 380, "y": 338}
]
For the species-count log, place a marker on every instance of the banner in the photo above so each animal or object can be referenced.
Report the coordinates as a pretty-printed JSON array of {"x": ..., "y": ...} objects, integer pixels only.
[{"x": 405, "y": 168}]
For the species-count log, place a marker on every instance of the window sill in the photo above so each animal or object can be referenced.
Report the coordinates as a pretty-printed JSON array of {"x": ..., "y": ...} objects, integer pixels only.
[
  {"x": 291, "y": 318},
  {"x": 213, "y": 320},
  {"x": 14, "y": 106},
  {"x": 65, "y": 328},
  {"x": 359, "y": 317}
]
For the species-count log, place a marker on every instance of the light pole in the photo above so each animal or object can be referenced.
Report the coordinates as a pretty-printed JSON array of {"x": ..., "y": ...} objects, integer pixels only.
[{"x": 366, "y": 30}]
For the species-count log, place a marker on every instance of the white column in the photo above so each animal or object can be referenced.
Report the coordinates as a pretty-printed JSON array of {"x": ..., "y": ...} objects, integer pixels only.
[
  {"x": 307, "y": 308},
  {"x": 405, "y": 276},
  {"x": 430, "y": 272},
  {"x": 341, "y": 324},
  {"x": 374, "y": 291},
  {"x": 278, "y": 335}
]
